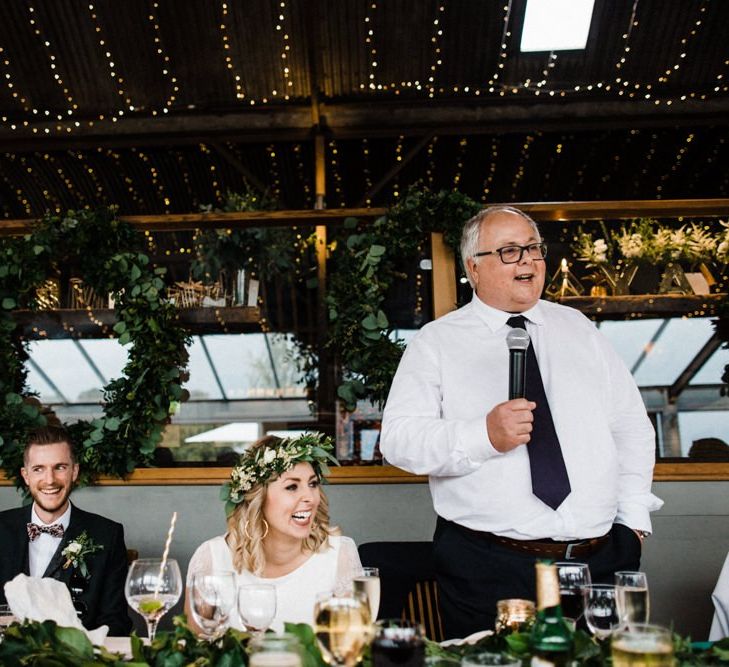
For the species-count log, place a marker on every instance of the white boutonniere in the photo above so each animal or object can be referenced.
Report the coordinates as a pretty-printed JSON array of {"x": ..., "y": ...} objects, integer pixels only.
[{"x": 76, "y": 551}]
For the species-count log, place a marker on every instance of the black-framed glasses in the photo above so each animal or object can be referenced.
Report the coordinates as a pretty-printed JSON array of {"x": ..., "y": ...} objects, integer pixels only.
[{"x": 511, "y": 254}]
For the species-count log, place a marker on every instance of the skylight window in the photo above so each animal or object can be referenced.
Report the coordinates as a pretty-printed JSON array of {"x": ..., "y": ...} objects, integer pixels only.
[{"x": 556, "y": 25}]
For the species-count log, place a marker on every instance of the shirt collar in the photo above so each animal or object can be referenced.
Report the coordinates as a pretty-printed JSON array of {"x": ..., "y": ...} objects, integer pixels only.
[
  {"x": 64, "y": 519},
  {"x": 495, "y": 319}
]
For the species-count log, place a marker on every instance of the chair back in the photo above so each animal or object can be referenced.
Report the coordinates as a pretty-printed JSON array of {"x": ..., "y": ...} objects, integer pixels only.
[{"x": 407, "y": 579}]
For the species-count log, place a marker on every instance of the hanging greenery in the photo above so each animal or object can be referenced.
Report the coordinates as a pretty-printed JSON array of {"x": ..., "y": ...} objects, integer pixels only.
[
  {"x": 363, "y": 269},
  {"x": 283, "y": 254},
  {"x": 103, "y": 252}
]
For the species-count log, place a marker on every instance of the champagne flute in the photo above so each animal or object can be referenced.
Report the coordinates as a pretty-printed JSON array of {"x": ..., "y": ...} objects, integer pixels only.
[
  {"x": 367, "y": 581},
  {"x": 212, "y": 597},
  {"x": 631, "y": 589},
  {"x": 257, "y": 606},
  {"x": 573, "y": 577},
  {"x": 601, "y": 612},
  {"x": 342, "y": 625},
  {"x": 153, "y": 586}
]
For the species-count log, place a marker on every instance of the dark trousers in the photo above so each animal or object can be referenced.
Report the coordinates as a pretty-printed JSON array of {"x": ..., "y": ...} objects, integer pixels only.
[{"x": 473, "y": 573}]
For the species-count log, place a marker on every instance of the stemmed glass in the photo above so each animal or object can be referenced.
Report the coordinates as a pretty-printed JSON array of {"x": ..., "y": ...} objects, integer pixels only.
[
  {"x": 367, "y": 581},
  {"x": 343, "y": 626},
  {"x": 631, "y": 589},
  {"x": 573, "y": 578},
  {"x": 212, "y": 597},
  {"x": 257, "y": 606},
  {"x": 601, "y": 611},
  {"x": 152, "y": 588}
]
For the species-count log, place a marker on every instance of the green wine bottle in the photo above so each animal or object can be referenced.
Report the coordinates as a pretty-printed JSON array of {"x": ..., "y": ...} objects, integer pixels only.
[{"x": 551, "y": 638}]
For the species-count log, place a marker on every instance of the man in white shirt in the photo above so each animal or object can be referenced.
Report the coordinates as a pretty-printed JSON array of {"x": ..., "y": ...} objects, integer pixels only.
[
  {"x": 447, "y": 416},
  {"x": 34, "y": 537}
]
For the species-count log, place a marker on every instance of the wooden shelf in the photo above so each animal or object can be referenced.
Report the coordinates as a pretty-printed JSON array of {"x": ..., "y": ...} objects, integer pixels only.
[
  {"x": 675, "y": 471},
  {"x": 644, "y": 306},
  {"x": 66, "y": 323}
]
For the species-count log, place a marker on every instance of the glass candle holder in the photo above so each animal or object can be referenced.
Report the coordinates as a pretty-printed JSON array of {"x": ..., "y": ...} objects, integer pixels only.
[{"x": 513, "y": 613}]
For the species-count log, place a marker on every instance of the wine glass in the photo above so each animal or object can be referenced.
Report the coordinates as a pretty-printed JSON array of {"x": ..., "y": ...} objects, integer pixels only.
[
  {"x": 631, "y": 594},
  {"x": 573, "y": 577},
  {"x": 212, "y": 597},
  {"x": 398, "y": 642},
  {"x": 153, "y": 586},
  {"x": 257, "y": 606},
  {"x": 367, "y": 581},
  {"x": 342, "y": 625},
  {"x": 601, "y": 611}
]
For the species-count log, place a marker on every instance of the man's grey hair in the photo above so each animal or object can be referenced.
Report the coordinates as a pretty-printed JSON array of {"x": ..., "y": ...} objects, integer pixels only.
[{"x": 472, "y": 228}]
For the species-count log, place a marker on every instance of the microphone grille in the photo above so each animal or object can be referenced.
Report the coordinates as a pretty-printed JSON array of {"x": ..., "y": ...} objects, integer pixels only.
[{"x": 517, "y": 339}]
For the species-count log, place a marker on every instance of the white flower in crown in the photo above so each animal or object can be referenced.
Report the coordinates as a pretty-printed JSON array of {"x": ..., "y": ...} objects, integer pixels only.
[{"x": 258, "y": 466}]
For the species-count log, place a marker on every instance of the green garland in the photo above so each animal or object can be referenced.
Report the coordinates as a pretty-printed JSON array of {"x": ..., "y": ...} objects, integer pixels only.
[
  {"x": 47, "y": 644},
  {"x": 138, "y": 404},
  {"x": 364, "y": 267}
]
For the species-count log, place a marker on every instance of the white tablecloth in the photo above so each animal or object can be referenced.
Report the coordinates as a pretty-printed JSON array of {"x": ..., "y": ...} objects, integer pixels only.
[{"x": 720, "y": 598}]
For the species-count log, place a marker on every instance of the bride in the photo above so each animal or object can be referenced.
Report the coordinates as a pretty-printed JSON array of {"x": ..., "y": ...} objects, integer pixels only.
[{"x": 278, "y": 529}]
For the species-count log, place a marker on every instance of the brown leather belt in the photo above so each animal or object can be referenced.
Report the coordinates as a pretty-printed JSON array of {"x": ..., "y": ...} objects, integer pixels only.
[{"x": 545, "y": 549}]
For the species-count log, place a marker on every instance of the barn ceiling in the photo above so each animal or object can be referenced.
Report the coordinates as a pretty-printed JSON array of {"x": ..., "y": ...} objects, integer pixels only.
[{"x": 165, "y": 105}]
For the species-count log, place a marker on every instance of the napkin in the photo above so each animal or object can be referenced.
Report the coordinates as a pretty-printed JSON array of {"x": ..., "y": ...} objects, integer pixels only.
[{"x": 45, "y": 599}]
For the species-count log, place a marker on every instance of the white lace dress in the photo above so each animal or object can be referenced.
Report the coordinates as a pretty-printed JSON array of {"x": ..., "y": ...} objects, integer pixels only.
[{"x": 330, "y": 569}]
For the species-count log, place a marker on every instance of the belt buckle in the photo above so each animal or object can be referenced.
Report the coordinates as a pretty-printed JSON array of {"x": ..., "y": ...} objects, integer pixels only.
[{"x": 568, "y": 552}]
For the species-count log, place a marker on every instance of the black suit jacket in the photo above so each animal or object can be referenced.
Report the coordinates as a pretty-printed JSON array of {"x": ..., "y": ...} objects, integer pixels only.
[{"x": 102, "y": 598}]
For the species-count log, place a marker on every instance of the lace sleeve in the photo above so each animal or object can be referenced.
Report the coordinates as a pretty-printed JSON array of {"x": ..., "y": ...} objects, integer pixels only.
[
  {"x": 348, "y": 564},
  {"x": 201, "y": 561}
]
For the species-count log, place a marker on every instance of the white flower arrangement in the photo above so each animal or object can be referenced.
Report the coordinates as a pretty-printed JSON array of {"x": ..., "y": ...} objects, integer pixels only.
[
  {"x": 722, "y": 244},
  {"x": 259, "y": 465}
]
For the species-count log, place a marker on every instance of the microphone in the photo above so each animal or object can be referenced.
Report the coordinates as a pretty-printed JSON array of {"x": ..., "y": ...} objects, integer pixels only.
[{"x": 517, "y": 340}]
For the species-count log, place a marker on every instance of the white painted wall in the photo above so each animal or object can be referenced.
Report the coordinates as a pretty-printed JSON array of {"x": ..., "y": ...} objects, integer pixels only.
[{"x": 683, "y": 557}]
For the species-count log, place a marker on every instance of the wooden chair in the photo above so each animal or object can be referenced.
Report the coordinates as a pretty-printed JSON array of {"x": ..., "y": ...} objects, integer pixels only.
[
  {"x": 407, "y": 579},
  {"x": 132, "y": 555}
]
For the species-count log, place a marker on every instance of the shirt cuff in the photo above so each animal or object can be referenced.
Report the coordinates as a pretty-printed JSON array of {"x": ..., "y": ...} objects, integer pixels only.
[{"x": 475, "y": 440}]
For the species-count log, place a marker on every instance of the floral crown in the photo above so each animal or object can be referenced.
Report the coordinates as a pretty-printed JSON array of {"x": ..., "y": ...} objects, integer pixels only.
[{"x": 258, "y": 465}]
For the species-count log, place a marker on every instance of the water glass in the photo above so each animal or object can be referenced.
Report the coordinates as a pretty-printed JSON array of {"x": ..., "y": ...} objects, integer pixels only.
[
  {"x": 632, "y": 597},
  {"x": 212, "y": 598},
  {"x": 257, "y": 606},
  {"x": 398, "y": 643},
  {"x": 512, "y": 613},
  {"x": 153, "y": 586},
  {"x": 367, "y": 581},
  {"x": 642, "y": 644},
  {"x": 573, "y": 577},
  {"x": 488, "y": 658},
  {"x": 601, "y": 612},
  {"x": 269, "y": 650}
]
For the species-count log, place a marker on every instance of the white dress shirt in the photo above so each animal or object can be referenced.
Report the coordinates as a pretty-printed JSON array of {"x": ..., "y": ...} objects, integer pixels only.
[
  {"x": 456, "y": 369},
  {"x": 42, "y": 548}
]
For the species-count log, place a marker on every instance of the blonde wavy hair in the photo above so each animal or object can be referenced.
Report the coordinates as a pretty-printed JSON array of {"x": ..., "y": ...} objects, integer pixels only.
[{"x": 247, "y": 529}]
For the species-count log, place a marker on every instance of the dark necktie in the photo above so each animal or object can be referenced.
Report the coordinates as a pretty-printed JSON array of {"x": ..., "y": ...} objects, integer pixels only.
[
  {"x": 550, "y": 482},
  {"x": 34, "y": 530}
]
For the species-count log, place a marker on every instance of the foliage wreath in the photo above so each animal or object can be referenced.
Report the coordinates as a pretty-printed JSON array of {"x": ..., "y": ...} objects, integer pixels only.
[{"x": 137, "y": 405}]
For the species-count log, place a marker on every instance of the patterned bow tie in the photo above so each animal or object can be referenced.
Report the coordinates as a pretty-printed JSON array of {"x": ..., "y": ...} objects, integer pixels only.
[{"x": 56, "y": 530}]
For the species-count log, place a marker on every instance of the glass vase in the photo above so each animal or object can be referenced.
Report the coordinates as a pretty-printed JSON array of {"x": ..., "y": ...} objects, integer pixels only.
[
  {"x": 619, "y": 277},
  {"x": 673, "y": 280}
]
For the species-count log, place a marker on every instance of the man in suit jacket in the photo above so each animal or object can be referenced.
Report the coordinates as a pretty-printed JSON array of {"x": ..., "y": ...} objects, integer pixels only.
[{"x": 34, "y": 537}]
